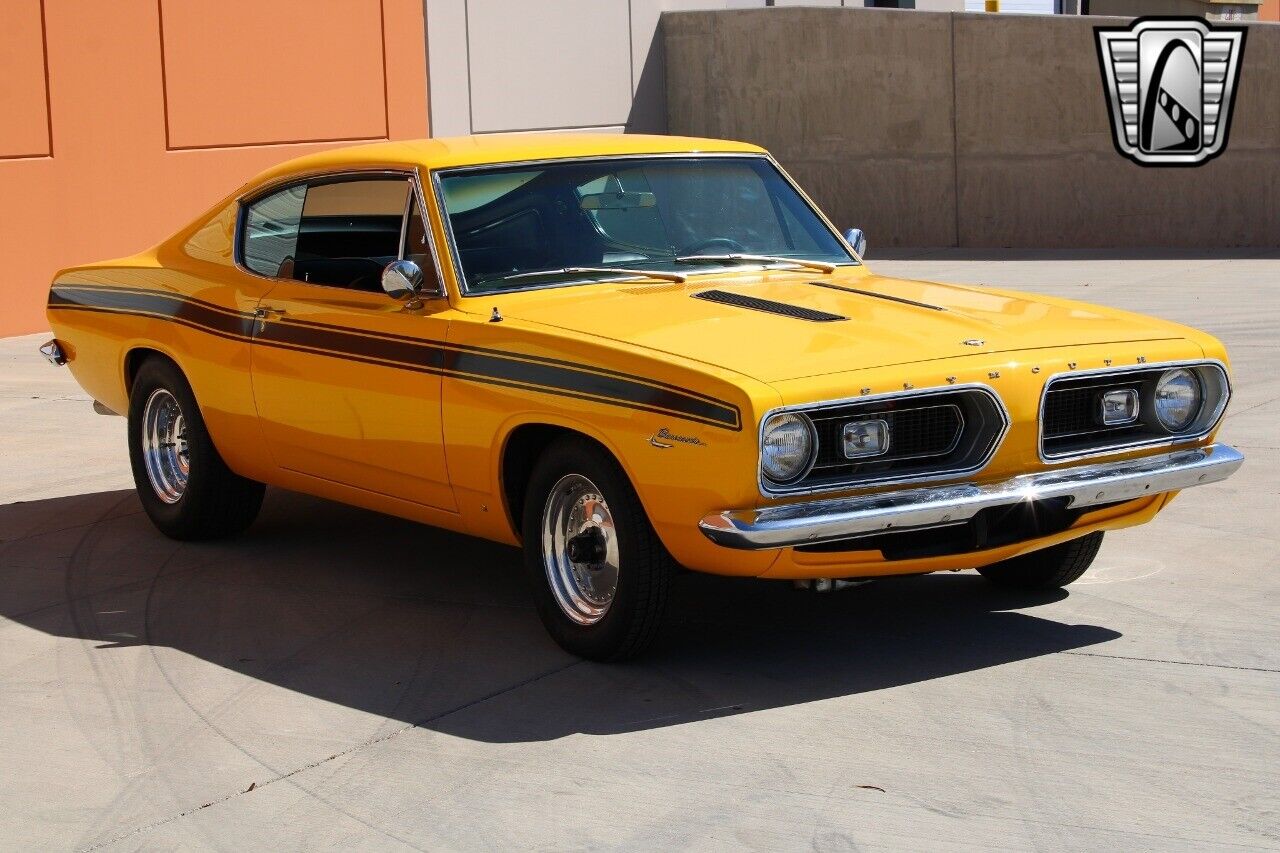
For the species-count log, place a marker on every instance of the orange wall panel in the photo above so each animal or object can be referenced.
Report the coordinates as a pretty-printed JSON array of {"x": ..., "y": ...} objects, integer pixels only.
[
  {"x": 1269, "y": 10},
  {"x": 404, "y": 33},
  {"x": 240, "y": 72},
  {"x": 24, "y": 106},
  {"x": 116, "y": 181}
]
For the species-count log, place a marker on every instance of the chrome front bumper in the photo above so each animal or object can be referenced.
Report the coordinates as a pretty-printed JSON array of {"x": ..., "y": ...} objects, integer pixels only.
[{"x": 815, "y": 522}]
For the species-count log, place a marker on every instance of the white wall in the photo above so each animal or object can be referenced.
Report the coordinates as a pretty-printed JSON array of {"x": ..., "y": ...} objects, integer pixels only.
[{"x": 507, "y": 65}]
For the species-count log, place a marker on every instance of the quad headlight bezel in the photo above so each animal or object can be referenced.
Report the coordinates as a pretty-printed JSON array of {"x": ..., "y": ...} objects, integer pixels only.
[{"x": 1209, "y": 377}]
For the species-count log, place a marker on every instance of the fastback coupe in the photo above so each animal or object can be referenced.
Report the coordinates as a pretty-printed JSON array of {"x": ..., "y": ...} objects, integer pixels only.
[{"x": 627, "y": 354}]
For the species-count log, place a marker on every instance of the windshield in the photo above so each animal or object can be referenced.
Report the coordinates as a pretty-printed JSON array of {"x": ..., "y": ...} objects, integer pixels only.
[{"x": 527, "y": 226}]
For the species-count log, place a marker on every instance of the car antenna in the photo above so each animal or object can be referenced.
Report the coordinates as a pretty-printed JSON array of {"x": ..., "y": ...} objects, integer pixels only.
[{"x": 496, "y": 316}]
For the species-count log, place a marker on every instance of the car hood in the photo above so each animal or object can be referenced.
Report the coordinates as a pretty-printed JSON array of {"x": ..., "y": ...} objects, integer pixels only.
[{"x": 890, "y": 322}]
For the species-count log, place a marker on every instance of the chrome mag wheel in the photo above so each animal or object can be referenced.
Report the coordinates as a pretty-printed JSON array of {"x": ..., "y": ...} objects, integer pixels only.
[
  {"x": 580, "y": 549},
  {"x": 164, "y": 446}
]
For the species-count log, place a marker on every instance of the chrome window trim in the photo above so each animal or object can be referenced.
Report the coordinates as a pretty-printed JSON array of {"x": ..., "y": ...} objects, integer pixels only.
[
  {"x": 1164, "y": 441},
  {"x": 248, "y": 198},
  {"x": 808, "y": 408},
  {"x": 451, "y": 241},
  {"x": 409, "y": 199},
  {"x": 786, "y": 176},
  {"x": 442, "y": 290}
]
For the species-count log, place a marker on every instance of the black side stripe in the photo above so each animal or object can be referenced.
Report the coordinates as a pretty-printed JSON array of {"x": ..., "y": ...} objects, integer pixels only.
[
  {"x": 418, "y": 354},
  {"x": 170, "y": 306},
  {"x": 873, "y": 295},
  {"x": 470, "y": 363},
  {"x": 601, "y": 370},
  {"x": 536, "y": 359},
  {"x": 496, "y": 367}
]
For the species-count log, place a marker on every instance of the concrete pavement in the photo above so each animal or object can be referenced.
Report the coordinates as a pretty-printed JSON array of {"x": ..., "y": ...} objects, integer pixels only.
[{"x": 338, "y": 679}]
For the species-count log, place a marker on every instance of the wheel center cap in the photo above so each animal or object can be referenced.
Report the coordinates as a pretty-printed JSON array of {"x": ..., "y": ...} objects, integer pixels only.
[{"x": 588, "y": 547}]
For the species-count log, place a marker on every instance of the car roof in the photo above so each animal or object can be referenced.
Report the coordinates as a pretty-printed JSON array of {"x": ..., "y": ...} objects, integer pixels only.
[{"x": 495, "y": 148}]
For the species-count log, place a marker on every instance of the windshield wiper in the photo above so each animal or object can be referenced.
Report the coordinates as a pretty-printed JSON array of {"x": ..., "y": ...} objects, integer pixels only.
[
  {"x": 764, "y": 259},
  {"x": 664, "y": 276}
]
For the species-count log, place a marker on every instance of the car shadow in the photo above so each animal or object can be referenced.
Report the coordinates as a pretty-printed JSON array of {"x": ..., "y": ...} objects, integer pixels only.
[{"x": 438, "y": 630}]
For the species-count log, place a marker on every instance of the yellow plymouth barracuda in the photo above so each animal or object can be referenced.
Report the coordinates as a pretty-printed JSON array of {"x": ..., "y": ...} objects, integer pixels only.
[{"x": 627, "y": 354}]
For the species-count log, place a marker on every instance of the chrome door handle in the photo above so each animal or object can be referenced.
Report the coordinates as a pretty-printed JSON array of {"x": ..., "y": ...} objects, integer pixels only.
[{"x": 263, "y": 313}]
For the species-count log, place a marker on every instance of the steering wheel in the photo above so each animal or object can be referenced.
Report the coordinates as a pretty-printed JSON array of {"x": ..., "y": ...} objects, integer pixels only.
[{"x": 723, "y": 245}]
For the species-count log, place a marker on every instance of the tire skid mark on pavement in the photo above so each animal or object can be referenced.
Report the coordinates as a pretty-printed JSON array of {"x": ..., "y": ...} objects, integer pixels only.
[
  {"x": 206, "y": 718},
  {"x": 1238, "y": 412},
  {"x": 205, "y": 722},
  {"x": 277, "y": 774},
  {"x": 86, "y": 628},
  {"x": 342, "y": 754},
  {"x": 1173, "y": 662},
  {"x": 84, "y": 625},
  {"x": 5, "y": 543}
]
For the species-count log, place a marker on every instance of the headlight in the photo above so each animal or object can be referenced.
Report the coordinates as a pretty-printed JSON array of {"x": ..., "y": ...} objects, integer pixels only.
[
  {"x": 786, "y": 447},
  {"x": 1178, "y": 398}
]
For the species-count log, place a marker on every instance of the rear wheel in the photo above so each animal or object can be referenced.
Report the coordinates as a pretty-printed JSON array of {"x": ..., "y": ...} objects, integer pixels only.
[
  {"x": 1047, "y": 568},
  {"x": 186, "y": 489},
  {"x": 600, "y": 575}
]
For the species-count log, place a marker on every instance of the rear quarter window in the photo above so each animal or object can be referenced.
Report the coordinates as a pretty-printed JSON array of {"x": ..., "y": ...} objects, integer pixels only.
[{"x": 271, "y": 229}]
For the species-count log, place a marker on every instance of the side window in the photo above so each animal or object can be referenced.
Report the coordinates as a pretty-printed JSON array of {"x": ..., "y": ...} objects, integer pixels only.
[
  {"x": 340, "y": 233},
  {"x": 349, "y": 231},
  {"x": 271, "y": 232}
]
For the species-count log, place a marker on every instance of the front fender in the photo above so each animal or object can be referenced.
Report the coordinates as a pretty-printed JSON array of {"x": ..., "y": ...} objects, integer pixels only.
[{"x": 676, "y": 480}]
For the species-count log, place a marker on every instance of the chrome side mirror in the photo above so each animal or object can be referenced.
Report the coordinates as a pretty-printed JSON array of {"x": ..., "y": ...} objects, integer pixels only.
[
  {"x": 402, "y": 280},
  {"x": 858, "y": 240}
]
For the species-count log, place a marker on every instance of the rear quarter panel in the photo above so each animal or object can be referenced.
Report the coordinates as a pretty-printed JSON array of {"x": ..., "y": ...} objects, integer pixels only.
[{"x": 197, "y": 265}]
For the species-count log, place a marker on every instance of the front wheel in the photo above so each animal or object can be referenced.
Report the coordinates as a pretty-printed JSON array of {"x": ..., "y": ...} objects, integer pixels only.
[
  {"x": 600, "y": 576},
  {"x": 1048, "y": 568},
  {"x": 188, "y": 492}
]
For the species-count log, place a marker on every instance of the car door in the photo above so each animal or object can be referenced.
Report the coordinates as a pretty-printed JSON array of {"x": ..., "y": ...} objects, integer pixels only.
[{"x": 345, "y": 378}]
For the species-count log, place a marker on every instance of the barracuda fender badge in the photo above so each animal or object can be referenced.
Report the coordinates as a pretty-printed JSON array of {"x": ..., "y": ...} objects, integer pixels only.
[
  {"x": 665, "y": 438},
  {"x": 1170, "y": 84}
]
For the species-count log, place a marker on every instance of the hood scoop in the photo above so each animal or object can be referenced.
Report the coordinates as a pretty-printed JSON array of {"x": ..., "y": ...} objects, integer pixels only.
[{"x": 767, "y": 305}]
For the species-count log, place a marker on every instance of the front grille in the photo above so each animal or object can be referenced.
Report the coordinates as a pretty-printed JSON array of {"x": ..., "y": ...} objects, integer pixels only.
[
  {"x": 929, "y": 431},
  {"x": 753, "y": 303},
  {"x": 934, "y": 433},
  {"x": 1071, "y": 414},
  {"x": 1068, "y": 412}
]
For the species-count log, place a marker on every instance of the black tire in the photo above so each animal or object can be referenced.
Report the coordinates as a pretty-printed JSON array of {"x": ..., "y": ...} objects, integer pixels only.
[
  {"x": 1048, "y": 568},
  {"x": 645, "y": 569},
  {"x": 216, "y": 502}
]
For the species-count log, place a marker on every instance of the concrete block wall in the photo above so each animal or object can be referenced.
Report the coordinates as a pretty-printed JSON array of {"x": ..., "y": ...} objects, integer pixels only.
[{"x": 935, "y": 129}]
